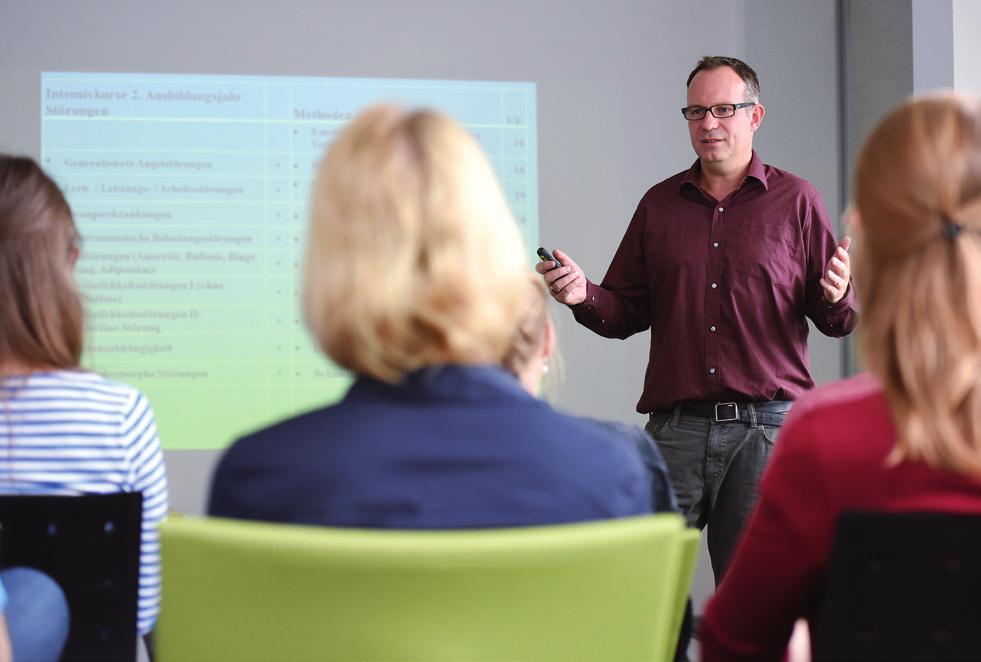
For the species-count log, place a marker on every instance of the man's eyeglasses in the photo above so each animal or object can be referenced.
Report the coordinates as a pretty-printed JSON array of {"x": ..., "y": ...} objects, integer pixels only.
[{"x": 719, "y": 111}]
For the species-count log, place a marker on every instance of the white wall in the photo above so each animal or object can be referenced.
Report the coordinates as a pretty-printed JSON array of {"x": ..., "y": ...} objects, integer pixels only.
[
  {"x": 967, "y": 45},
  {"x": 933, "y": 47},
  {"x": 946, "y": 45},
  {"x": 611, "y": 79}
]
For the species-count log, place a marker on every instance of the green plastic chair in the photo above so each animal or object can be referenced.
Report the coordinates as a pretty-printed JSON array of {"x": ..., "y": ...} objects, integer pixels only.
[
  {"x": 686, "y": 572},
  {"x": 237, "y": 590}
]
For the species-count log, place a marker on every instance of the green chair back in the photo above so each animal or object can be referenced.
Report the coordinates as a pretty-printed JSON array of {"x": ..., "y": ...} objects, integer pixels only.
[
  {"x": 686, "y": 572},
  {"x": 237, "y": 590}
]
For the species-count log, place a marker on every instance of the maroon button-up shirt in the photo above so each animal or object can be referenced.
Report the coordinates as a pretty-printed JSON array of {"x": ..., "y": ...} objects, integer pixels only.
[{"x": 724, "y": 286}]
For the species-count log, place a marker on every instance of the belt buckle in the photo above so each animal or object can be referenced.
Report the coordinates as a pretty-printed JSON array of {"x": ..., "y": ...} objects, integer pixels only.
[{"x": 735, "y": 412}]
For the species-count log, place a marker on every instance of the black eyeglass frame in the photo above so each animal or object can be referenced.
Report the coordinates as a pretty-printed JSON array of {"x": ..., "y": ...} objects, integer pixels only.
[{"x": 711, "y": 109}]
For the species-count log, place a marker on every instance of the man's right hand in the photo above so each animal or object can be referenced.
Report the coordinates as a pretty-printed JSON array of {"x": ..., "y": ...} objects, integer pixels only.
[{"x": 567, "y": 284}]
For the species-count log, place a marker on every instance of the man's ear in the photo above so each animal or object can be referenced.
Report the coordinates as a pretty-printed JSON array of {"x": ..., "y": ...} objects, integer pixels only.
[
  {"x": 756, "y": 116},
  {"x": 73, "y": 255}
]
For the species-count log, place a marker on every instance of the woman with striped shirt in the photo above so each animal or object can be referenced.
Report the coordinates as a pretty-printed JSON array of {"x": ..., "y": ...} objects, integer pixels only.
[{"x": 64, "y": 430}]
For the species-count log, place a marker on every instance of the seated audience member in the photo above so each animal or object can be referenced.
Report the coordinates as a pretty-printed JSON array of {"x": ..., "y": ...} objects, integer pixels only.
[
  {"x": 529, "y": 358},
  {"x": 415, "y": 281},
  {"x": 906, "y": 436},
  {"x": 92, "y": 434},
  {"x": 531, "y": 351},
  {"x": 33, "y": 616}
]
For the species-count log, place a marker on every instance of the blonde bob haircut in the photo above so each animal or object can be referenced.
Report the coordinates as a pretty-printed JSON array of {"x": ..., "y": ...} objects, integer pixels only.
[
  {"x": 918, "y": 193},
  {"x": 41, "y": 320},
  {"x": 413, "y": 258}
]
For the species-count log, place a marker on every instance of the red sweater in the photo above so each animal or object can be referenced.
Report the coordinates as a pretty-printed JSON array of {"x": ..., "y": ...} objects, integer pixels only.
[{"x": 831, "y": 457}]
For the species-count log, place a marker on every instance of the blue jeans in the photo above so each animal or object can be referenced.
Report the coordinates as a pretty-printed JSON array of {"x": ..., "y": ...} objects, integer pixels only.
[
  {"x": 36, "y": 613},
  {"x": 715, "y": 469}
]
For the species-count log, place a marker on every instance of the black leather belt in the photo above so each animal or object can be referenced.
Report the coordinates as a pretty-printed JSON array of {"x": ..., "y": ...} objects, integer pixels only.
[{"x": 767, "y": 413}]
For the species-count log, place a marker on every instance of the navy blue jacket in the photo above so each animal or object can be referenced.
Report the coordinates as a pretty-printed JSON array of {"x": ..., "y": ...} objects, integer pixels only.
[{"x": 450, "y": 447}]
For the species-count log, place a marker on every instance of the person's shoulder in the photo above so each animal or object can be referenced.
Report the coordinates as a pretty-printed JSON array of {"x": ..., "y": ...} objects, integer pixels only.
[
  {"x": 669, "y": 185},
  {"x": 618, "y": 429},
  {"x": 251, "y": 458},
  {"x": 303, "y": 427},
  {"x": 851, "y": 413},
  {"x": 590, "y": 462},
  {"x": 82, "y": 386},
  {"x": 854, "y": 393},
  {"x": 597, "y": 441},
  {"x": 585, "y": 427},
  {"x": 243, "y": 474},
  {"x": 778, "y": 178}
]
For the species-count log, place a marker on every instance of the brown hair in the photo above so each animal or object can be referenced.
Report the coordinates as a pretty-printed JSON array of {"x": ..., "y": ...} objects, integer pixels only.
[
  {"x": 918, "y": 268},
  {"x": 743, "y": 70},
  {"x": 41, "y": 315},
  {"x": 413, "y": 257}
]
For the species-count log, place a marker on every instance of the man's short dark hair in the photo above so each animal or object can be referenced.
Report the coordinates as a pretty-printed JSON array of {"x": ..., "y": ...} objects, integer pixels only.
[{"x": 743, "y": 70}]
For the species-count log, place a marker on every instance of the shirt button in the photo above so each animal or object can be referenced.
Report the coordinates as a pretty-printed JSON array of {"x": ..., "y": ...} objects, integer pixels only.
[
  {"x": 722, "y": 208},
  {"x": 602, "y": 321},
  {"x": 712, "y": 328},
  {"x": 711, "y": 371},
  {"x": 714, "y": 286},
  {"x": 715, "y": 244}
]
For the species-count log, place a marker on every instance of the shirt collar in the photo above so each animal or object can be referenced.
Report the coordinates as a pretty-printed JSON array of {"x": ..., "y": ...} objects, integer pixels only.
[
  {"x": 756, "y": 171},
  {"x": 450, "y": 383}
]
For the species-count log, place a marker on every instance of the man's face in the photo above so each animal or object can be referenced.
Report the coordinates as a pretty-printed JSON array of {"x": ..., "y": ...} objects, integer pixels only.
[{"x": 727, "y": 141}]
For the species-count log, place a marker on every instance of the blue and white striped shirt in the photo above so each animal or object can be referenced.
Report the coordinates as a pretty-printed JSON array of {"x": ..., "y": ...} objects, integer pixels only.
[{"x": 75, "y": 432}]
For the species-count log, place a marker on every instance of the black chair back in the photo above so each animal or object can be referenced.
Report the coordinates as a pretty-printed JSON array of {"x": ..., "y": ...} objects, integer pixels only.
[
  {"x": 90, "y": 545},
  {"x": 902, "y": 586}
]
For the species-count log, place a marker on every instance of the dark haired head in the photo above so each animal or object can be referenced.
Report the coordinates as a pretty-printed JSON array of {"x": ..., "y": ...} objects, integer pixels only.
[{"x": 743, "y": 70}]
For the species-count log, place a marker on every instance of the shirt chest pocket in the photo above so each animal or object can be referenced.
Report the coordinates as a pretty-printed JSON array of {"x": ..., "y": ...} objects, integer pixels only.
[{"x": 764, "y": 252}]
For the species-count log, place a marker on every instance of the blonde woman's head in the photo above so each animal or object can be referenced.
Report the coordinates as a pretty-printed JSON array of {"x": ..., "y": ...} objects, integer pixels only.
[
  {"x": 413, "y": 258},
  {"x": 918, "y": 269}
]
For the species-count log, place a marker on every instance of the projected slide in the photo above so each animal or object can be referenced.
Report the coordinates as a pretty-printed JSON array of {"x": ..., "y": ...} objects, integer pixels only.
[{"x": 191, "y": 196}]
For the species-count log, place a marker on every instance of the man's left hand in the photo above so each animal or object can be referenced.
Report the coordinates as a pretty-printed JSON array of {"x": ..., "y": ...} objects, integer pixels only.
[{"x": 837, "y": 273}]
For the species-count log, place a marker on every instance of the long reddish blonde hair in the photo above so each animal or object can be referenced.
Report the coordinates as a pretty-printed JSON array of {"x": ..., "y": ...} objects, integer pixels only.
[{"x": 918, "y": 193}]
